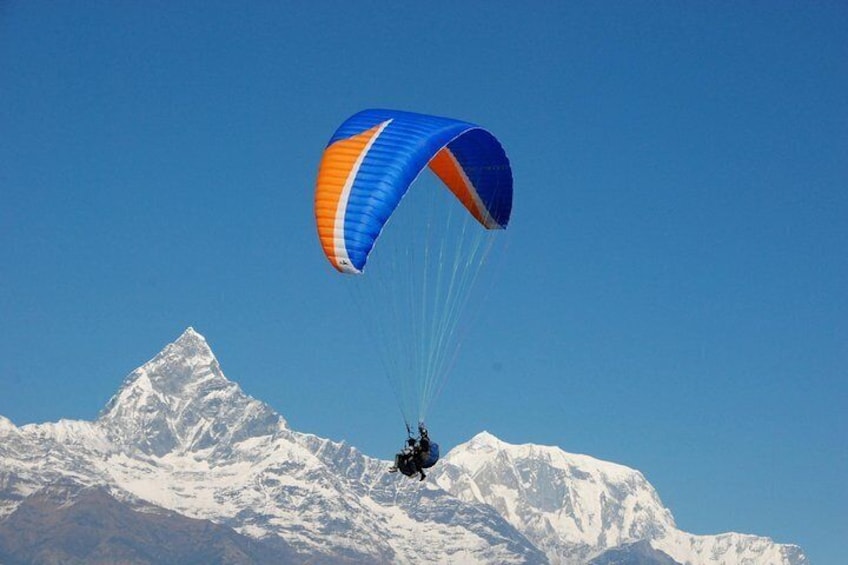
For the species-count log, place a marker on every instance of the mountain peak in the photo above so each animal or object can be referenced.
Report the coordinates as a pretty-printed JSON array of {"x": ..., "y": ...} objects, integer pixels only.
[
  {"x": 176, "y": 371},
  {"x": 181, "y": 400},
  {"x": 191, "y": 344},
  {"x": 484, "y": 442},
  {"x": 191, "y": 337}
]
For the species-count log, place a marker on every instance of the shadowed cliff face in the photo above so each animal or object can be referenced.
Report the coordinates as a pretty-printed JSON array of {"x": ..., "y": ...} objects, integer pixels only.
[
  {"x": 637, "y": 553},
  {"x": 72, "y": 524}
]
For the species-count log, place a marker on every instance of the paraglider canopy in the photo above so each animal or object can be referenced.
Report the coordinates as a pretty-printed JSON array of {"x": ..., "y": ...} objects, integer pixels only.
[{"x": 375, "y": 155}]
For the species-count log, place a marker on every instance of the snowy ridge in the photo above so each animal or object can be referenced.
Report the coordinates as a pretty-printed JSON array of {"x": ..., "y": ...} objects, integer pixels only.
[
  {"x": 179, "y": 435},
  {"x": 729, "y": 548}
]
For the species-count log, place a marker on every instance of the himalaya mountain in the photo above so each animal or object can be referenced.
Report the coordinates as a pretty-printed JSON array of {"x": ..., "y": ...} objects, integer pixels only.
[{"x": 179, "y": 441}]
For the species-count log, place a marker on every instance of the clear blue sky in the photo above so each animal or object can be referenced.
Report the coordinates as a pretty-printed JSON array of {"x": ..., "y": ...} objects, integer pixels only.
[{"x": 673, "y": 294}]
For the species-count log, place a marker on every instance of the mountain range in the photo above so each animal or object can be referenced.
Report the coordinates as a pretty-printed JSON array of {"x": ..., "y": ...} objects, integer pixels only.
[{"x": 182, "y": 466}]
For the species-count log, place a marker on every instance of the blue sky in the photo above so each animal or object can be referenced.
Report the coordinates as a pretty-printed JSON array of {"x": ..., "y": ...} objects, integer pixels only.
[{"x": 672, "y": 292}]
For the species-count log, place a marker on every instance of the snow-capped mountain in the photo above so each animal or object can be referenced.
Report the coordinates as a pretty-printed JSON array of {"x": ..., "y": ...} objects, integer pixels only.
[
  {"x": 180, "y": 436},
  {"x": 571, "y": 506},
  {"x": 574, "y": 507}
]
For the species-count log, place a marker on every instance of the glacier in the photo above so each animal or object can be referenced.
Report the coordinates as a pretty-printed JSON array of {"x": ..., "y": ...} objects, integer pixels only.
[{"x": 181, "y": 436}]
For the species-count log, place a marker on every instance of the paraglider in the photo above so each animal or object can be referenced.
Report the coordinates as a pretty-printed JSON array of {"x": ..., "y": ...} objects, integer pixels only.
[
  {"x": 419, "y": 454},
  {"x": 426, "y": 275}
]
